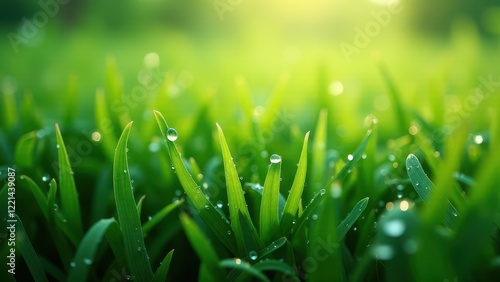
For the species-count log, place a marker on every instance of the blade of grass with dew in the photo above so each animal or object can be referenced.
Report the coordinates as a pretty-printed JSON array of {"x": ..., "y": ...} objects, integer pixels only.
[
  {"x": 84, "y": 257},
  {"x": 318, "y": 155},
  {"x": 63, "y": 248},
  {"x": 424, "y": 186},
  {"x": 133, "y": 238},
  {"x": 25, "y": 247},
  {"x": 269, "y": 214},
  {"x": 277, "y": 266},
  {"x": 105, "y": 124},
  {"x": 24, "y": 152},
  {"x": 37, "y": 193},
  {"x": 347, "y": 223},
  {"x": 69, "y": 196},
  {"x": 251, "y": 242},
  {"x": 395, "y": 98},
  {"x": 293, "y": 200},
  {"x": 205, "y": 209},
  {"x": 256, "y": 191},
  {"x": 308, "y": 211},
  {"x": 238, "y": 264},
  {"x": 202, "y": 245},
  {"x": 162, "y": 271},
  {"x": 235, "y": 196},
  {"x": 261, "y": 254},
  {"x": 356, "y": 156},
  {"x": 157, "y": 218}
]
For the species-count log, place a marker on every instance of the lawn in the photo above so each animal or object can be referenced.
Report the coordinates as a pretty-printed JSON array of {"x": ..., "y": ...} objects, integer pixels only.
[{"x": 168, "y": 141}]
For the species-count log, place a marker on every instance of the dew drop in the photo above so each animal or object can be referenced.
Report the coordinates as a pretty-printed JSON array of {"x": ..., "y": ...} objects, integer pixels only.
[
  {"x": 87, "y": 261},
  {"x": 229, "y": 232},
  {"x": 57, "y": 146},
  {"x": 45, "y": 178},
  {"x": 394, "y": 228},
  {"x": 124, "y": 171},
  {"x": 72, "y": 264},
  {"x": 350, "y": 157},
  {"x": 139, "y": 249},
  {"x": 253, "y": 255},
  {"x": 275, "y": 158},
  {"x": 314, "y": 217},
  {"x": 172, "y": 134},
  {"x": 220, "y": 204},
  {"x": 322, "y": 191}
]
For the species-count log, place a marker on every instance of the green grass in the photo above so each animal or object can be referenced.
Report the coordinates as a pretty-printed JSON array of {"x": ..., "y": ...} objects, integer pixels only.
[{"x": 242, "y": 192}]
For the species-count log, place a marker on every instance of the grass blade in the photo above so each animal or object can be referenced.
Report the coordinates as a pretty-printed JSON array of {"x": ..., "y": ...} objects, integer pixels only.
[
  {"x": 279, "y": 266},
  {"x": 238, "y": 264},
  {"x": 164, "y": 212},
  {"x": 24, "y": 152},
  {"x": 105, "y": 124},
  {"x": 308, "y": 211},
  {"x": 202, "y": 246},
  {"x": 87, "y": 249},
  {"x": 293, "y": 200},
  {"x": 40, "y": 197},
  {"x": 347, "y": 223},
  {"x": 269, "y": 214},
  {"x": 162, "y": 271},
  {"x": 356, "y": 156},
  {"x": 318, "y": 174},
  {"x": 29, "y": 255},
  {"x": 235, "y": 196},
  {"x": 205, "y": 209},
  {"x": 69, "y": 195},
  {"x": 424, "y": 187},
  {"x": 128, "y": 217}
]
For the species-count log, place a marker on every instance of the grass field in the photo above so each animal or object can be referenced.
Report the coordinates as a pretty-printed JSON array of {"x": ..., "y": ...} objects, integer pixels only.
[{"x": 251, "y": 151}]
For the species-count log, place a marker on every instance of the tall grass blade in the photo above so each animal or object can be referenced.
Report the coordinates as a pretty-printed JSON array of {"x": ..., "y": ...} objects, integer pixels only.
[
  {"x": 424, "y": 186},
  {"x": 69, "y": 195},
  {"x": 347, "y": 223},
  {"x": 293, "y": 200},
  {"x": 25, "y": 149},
  {"x": 318, "y": 175},
  {"x": 162, "y": 271},
  {"x": 235, "y": 195},
  {"x": 164, "y": 212},
  {"x": 269, "y": 214},
  {"x": 105, "y": 124},
  {"x": 205, "y": 209},
  {"x": 85, "y": 254},
  {"x": 202, "y": 246},
  {"x": 128, "y": 218},
  {"x": 308, "y": 211},
  {"x": 25, "y": 247}
]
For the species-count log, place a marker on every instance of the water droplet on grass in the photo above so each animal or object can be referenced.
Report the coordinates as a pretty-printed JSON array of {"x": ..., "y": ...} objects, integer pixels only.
[
  {"x": 350, "y": 157},
  {"x": 172, "y": 134},
  {"x": 253, "y": 255},
  {"x": 275, "y": 158},
  {"x": 87, "y": 261},
  {"x": 72, "y": 264},
  {"x": 220, "y": 204}
]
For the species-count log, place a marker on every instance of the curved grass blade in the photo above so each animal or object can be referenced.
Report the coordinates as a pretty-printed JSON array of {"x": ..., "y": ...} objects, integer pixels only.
[
  {"x": 318, "y": 174},
  {"x": 60, "y": 241},
  {"x": 347, "y": 223},
  {"x": 87, "y": 249},
  {"x": 238, "y": 264},
  {"x": 202, "y": 246},
  {"x": 260, "y": 255},
  {"x": 139, "y": 205},
  {"x": 293, "y": 200},
  {"x": 235, "y": 196},
  {"x": 269, "y": 214},
  {"x": 278, "y": 266},
  {"x": 424, "y": 186},
  {"x": 356, "y": 156},
  {"x": 205, "y": 209},
  {"x": 164, "y": 212},
  {"x": 69, "y": 195},
  {"x": 24, "y": 152},
  {"x": 128, "y": 217},
  {"x": 162, "y": 271},
  {"x": 308, "y": 211},
  {"x": 40, "y": 197},
  {"x": 29, "y": 255}
]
